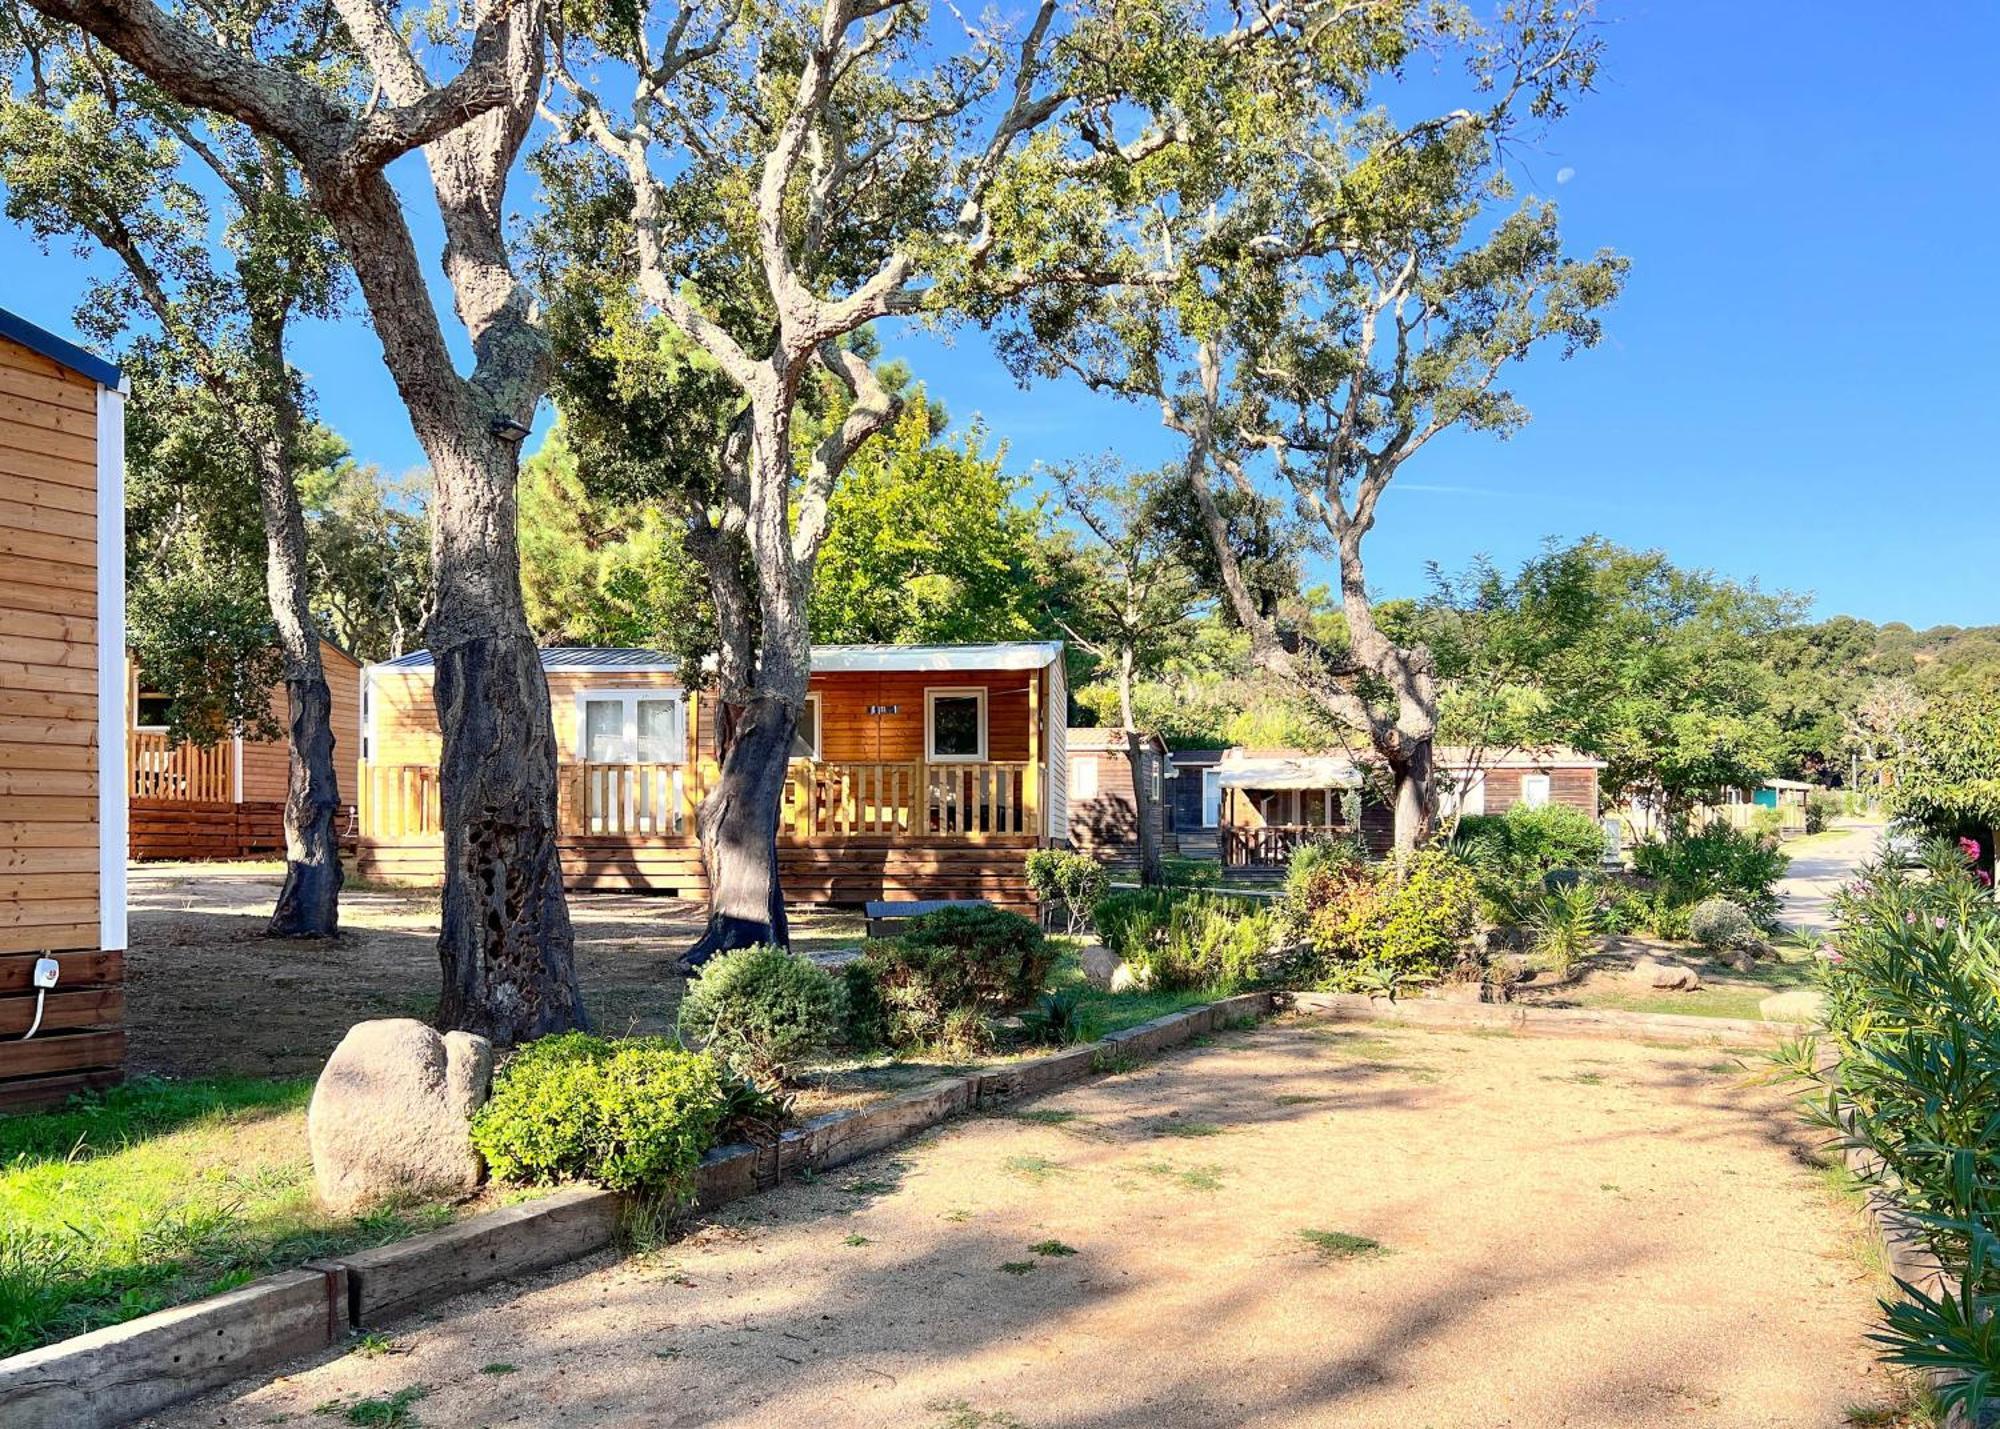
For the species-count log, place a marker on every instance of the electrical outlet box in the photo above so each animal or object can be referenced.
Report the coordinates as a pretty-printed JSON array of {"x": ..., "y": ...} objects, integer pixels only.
[{"x": 47, "y": 970}]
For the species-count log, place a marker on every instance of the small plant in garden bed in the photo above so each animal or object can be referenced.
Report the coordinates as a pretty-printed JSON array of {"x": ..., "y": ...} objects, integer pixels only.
[
  {"x": 631, "y": 1115},
  {"x": 1073, "y": 881},
  {"x": 937, "y": 984},
  {"x": 762, "y": 1011},
  {"x": 1177, "y": 940}
]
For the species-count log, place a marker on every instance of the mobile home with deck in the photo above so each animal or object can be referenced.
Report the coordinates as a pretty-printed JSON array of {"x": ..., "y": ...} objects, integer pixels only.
[
  {"x": 227, "y": 799},
  {"x": 918, "y": 772},
  {"x": 62, "y": 717}
]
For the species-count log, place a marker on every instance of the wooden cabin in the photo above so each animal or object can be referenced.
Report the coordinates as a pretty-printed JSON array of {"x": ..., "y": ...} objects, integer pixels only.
[
  {"x": 62, "y": 715},
  {"x": 227, "y": 800},
  {"x": 918, "y": 772},
  {"x": 1271, "y": 801},
  {"x": 1103, "y": 812}
]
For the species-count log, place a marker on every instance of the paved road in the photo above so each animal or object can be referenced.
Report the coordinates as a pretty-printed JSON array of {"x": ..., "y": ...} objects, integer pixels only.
[{"x": 1818, "y": 870}]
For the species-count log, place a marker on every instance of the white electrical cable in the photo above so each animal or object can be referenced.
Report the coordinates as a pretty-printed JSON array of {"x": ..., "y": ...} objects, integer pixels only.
[{"x": 41, "y": 995}]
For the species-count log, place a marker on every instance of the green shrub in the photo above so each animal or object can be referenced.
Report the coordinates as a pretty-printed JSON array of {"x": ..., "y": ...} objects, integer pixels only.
[
  {"x": 1074, "y": 880},
  {"x": 1565, "y": 926},
  {"x": 633, "y": 1115},
  {"x": 1402, "y": 921},
  {"x": 1722, "y": 926},
  {"x": 1531, "y": 839},
  {"x": 1178, "y": 940},
  {"x": 1821, "y": 810},
  {"x": 762, "y": 1011},
  {"x": 1190, "y": 872},
  {"x": 1718, "y": 860},
  {"x": 941, "y": 979},
  {"x": 1060, "y": 1018}
]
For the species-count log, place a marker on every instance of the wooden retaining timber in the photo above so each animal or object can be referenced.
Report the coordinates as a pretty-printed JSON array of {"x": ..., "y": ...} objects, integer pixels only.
[{"x": 826, "y": 870}]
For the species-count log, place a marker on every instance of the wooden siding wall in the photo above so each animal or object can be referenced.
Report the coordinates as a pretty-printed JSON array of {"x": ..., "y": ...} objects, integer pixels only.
[
  {"x": 266, "y": 763},
  {"x": 1106, "y": 826},
  {"x": 1567, "y": 785},
  {"x": 48, "y": 736}
]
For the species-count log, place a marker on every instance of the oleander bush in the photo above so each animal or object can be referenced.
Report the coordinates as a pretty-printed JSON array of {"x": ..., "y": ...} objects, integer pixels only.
[
  {"x": 763, "y": 1011},
  {"x": 1907, "y": 1072},
  {"x": 631, "y": 1115}
]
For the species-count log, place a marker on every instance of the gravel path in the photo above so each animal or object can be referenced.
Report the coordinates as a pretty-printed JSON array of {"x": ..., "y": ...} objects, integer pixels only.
[{"x": 1546, "y": 1233}]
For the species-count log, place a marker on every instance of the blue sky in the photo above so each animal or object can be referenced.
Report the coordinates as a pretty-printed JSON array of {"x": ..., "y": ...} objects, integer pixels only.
[{"x": 1800, "y": 386}]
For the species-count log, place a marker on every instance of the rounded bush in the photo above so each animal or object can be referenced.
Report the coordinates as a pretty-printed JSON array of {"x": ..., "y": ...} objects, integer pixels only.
[
  {"x": 1721, "y": 926},
  {"x": 762, "y": 1011},
  {"x": 633, "y": 1115},
  {"x": 940, "y": 980}
]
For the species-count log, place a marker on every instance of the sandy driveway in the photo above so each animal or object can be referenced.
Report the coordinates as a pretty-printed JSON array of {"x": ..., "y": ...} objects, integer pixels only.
[{"x": 1570, "y": 1233}]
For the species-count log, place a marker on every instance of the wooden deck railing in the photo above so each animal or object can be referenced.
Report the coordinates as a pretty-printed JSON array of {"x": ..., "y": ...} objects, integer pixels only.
[
  {"x": 822, "y": 799},
  {"x": 399, "y": 801},
  {"x": 185, "y": 773},
  {"x": 1271, "y": 845}
]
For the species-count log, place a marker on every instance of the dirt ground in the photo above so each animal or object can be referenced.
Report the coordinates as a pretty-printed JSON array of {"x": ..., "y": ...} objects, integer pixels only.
[
  {"x": 1550, "y": 1233},
  {"x": 207, "y": 994}
]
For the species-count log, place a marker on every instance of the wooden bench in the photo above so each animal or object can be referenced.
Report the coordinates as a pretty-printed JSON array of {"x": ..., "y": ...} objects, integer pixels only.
[{"x": 885, "y": 920}]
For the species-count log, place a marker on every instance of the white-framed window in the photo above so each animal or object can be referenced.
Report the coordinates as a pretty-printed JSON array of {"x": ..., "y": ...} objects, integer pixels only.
[
  {"x": 805, "y": 739},
  {"x": 630, "y": 727},
  {"x": 955, "y": 725},
  {"x": 1083, "y": 777},
  {"x": 1211, "y": 798},
  {"x": 1534, "y": 790},
  {"x": 1158, "y": 783}
]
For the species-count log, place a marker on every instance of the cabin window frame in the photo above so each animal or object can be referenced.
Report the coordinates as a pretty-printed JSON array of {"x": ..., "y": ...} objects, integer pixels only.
[
  {"x": 1083, "y": 777},
  {"x": 628, "y": 738},
  {"x": 1544, "y": 783},
  {"x": 812, "y": 709},
  {"x": 976, "y": 693}
]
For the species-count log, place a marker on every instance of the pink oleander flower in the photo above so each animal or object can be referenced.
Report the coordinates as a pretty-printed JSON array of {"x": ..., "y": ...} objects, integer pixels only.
[
  {"x": 1985, "y": 878},
  {"x": 1910, "y": 918},
  {"x": 1970, "y": 848},
  {"x": 1939, "y": 920}
]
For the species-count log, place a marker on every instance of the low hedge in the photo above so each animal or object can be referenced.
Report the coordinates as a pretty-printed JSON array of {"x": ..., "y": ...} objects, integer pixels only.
[{"x": 632, "y": 1115}]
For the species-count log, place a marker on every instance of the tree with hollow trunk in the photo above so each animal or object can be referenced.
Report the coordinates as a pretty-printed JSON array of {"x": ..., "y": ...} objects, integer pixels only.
[
  {"x": 505, "y": 944},
  {"x": 1353, "y": 291},
  {"x": 91, "y": 150},
  {"x": 837, "y": 172},
  {"x": 1122, "y": 596}
]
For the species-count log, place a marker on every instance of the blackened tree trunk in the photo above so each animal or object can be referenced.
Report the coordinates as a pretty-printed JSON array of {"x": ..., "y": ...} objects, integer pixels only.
[
  {"x": 505, "y": 945},
  {"x": 308, "y": 904},
  {"x": 738, "y": 825}
]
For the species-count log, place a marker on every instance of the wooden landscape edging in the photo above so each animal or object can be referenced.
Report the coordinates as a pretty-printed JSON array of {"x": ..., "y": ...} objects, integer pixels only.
[{"x": 123, "y": 1372}]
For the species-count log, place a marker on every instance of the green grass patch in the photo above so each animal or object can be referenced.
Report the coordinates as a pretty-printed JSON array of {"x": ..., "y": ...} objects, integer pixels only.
[
  {"x": 1017, "y": 1267},
  {"x": 1188, "y": 1178},
  {"x": 857, "y": 1239},
  {"x": 497, "y": 1367},
  {"x": 1030, "y": 1168},
  {"x": 1045, "y": 1116},
  {"x": 1340, "y": 1245},
  {"x": 1112, "y": 1012},
  {"x": 389, "y": 1411},
  {"x": 1298, "y": 1098},
  {"x": 157, "y": 1193},
  {"x": 1053, "y": 1248},
  {"x": 1175, "y": 1127}
]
